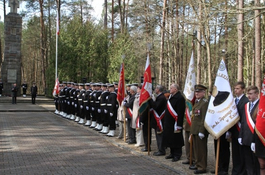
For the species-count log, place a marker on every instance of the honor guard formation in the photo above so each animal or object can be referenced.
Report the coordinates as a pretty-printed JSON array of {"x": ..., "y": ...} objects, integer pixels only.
[{"x": 95, "y": 105}]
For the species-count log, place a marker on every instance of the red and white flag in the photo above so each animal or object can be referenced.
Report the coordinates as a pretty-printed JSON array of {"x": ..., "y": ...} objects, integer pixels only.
[
  {"x": 121, "y": 86},
  {"x": 260, "y": 121},
  {"x": 189, "y": 89},
  {"x": 56, "y": 88},
  {"x": 146, "y": 90},
  {"x": 222, "y": 113}
]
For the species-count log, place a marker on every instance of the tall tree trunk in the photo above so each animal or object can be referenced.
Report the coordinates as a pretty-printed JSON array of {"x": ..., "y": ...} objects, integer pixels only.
[
  {"x": 240, "y": 31},
  {"x": 112, "y": 21},
  {"x": 162, "y": 42},
  {"x": 257, "y": 45},
  {"x": 4, "y": 6},
  {"x": 106, "y": 15},
  {"x": 199, "y": 47},
  {"x": 42, "y": 46}
]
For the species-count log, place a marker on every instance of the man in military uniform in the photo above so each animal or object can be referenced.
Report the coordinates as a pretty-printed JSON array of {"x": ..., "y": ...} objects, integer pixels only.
[
  {"x": 76, "y": 105},
  {"x": 97, "y": 106},
  {"x": 112, "y": 107},
  {"x": 104, "y": 112},
  {"x": 1, "y": 87},
  {"x": 87, "y": 104},
  {"x": 64, "y": 105},
  {"x": 24, "y": 88},
  {"x": 67, "y": 98},
  {"x": 81, "y": 98},
  {"x": 60, "y": 100},
  {"x": 72, "y": 103},
  {"x": 34, "y": 91},
  {"x": 92, "y": 106},
  {"x": 198, "y": 131}
]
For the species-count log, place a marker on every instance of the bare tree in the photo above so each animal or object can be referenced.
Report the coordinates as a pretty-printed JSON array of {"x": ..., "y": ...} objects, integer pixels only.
[{"x": 240, "y": 34}]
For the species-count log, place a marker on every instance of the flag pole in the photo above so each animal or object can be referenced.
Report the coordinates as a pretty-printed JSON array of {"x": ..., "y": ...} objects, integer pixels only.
[
  {"x": 148, "y": 142},
  {"x": 57, "y": 35},
  {"x": 217, "y": 156},
  {"x": 124, "y": 112},
  {"x": 191, "y": 150}
]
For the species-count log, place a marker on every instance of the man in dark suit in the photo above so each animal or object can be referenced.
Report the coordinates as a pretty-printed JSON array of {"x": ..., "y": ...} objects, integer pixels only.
[
  {"x": 198, "y": 131},
  {"x": 34, "y": 91},
  {"x": 237, "y": 151},
  {"x": 159, "y": 105},
  {"x": 173, "y": 123},
  {"x": 14, "y": 90},
  {"x": 247, "y": 130},
  {"x": 24, "y": 88}
]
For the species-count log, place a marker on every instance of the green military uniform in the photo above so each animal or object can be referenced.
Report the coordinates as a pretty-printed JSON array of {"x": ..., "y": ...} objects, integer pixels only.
[
  {"x": 199, "y": 145},
  {"x": 187, "y": 142}
]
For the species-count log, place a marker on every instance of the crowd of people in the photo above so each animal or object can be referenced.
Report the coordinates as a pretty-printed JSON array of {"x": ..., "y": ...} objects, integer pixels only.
[{"x": 95, "y": 105}]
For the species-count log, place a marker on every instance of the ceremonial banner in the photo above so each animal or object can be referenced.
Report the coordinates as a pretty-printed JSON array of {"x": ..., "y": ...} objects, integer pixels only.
[
  {"x": 121, "y": 86},
  {"x": 222, "y": 113},
  {"x": 260, "y": 122},
  {"x": 146, "y": 90},
  {"x": 56, "y": 88},
  {"x": 189, "y": 89}
]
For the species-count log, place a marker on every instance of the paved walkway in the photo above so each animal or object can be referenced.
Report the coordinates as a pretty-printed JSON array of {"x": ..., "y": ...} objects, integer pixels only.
[{"x": 33, "y": 140}]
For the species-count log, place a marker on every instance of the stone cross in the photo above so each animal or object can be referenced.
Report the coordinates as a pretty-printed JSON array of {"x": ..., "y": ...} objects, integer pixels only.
[{"x": 13, "y": 4}]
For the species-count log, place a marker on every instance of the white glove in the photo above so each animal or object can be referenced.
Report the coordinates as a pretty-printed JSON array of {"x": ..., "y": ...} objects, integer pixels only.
[
  {"x": 68, "y": 103},
  {"x": 240, "y": 141},
  {"x": 81, "y": 106},
  {"x": 93, "y": 109},
  {"x": 252, "y": 146},
  {"x": 75, "y": 105},
  {"x": 87, "y": 108},
  {"x": 228, "y": 135},
  {"x": 99, "y": 110},
  {"x": 105, "y": 111},
  {"x": 201, "y": 135},
  {"x": 111, "y": 114},
  {"x": 124, "y": 103}
]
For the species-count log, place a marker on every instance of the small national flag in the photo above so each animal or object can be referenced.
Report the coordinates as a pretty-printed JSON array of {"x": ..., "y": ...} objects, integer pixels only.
[
  {"x": 121, "y": 85},
  {"x": 146, "y": 90},
  {"x": 189, "y": 89},
  {"x": 260, "y": 122},
  {"x": 222, "y": 113},
  {"x": 56, "y": 88}
]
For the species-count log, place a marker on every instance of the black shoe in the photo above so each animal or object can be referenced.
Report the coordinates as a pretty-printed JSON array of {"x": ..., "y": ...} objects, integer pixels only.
[
  {"x": 186, "y": 162},
  {"x": 170, "y": 156},
  {"x": 131, "y": 142},
  {"x": 199, "y": 171},
  {"x": 158, "y": 153},
  {"x": 145, "y": 149},
  {"x": 193, "y": 167},
  {"x": 175, "y": 159}
]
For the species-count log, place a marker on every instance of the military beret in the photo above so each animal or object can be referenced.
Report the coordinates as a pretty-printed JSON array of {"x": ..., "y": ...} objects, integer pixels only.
[{"x": 199, "y": 87}]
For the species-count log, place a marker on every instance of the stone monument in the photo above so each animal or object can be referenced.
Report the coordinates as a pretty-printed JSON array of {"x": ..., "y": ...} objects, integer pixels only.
[{"x": 11, "y": 66}]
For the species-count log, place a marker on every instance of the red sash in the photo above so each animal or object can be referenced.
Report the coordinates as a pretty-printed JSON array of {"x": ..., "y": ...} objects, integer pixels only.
[
  {"x": 173, "y": 114},
  {"x": 249, "y": 120},
  {"x": 188, "y": 118},
  {"x": 129, "y": 112},
  {"x": 158, "y": 119}
]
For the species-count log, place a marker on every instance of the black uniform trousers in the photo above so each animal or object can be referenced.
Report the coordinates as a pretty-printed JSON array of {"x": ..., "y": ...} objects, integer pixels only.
[
  {"x": 237, "y": 157},
  {"x": 131, "y": 131},
  {"x": 159, "y": 141},
  {"x": 251, "y": 161}
]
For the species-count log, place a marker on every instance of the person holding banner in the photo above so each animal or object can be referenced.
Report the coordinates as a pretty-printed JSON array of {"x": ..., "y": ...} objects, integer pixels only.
[
  {"x": 237, "y": 151},
  {"x": 173, "y": 123},
  {"x": 198, "y": 131}
]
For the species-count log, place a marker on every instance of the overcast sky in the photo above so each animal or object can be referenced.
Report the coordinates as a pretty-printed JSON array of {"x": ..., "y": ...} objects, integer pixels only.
[{"x": 96, "y": 4}]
